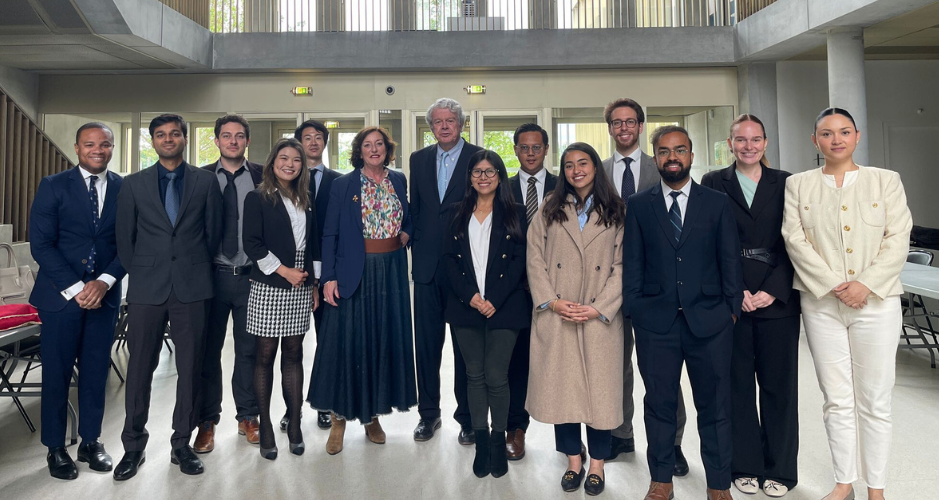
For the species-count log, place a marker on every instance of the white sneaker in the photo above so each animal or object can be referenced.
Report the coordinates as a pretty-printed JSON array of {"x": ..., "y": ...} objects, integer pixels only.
[
  {"x": 774, "y": 489},
  {"x": 747, "y": 485}
]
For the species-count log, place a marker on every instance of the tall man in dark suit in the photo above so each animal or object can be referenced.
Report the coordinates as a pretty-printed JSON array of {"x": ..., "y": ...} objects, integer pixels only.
[
  {"x": 169, "y": 226},
  {"x": 315, "y": 136},
  {"x": 631, "y": 171},
  {"x": 236, "y": 178},
  {"x": 682, "y": 287},
  {"x": 438, "y": 179},
  {"x": 531, "y": 148},
  {"x": 77, "y": 293}
]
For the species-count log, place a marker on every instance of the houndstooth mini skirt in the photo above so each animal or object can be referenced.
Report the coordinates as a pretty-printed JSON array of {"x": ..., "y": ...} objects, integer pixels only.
[{"x": 279, "y": 312}]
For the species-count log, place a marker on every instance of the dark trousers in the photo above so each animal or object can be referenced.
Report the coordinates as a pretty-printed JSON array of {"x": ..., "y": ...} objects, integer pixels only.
[
  {"x": 518, "y": 382},
  {"x": 567, "y": 440},
  {"x": 429, "y": 337},
  {"x": 146, "y": 324},
  {"x": 766, "y": 443},
  {"x": 487, "y": 354},
  {"x": 70, "y": 334},
  {"x": 231, "y": 299},
  {"x": 707, "y": 360}
]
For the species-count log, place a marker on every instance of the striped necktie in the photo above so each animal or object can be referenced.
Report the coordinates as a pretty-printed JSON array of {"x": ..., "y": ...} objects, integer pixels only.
[
  {"x": 674, "y": 215},
  {"x": 531, "y": 199}
]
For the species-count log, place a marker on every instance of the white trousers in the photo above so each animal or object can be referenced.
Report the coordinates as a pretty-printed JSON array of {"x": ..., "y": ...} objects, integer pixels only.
[{"x": 855, "y": 360}]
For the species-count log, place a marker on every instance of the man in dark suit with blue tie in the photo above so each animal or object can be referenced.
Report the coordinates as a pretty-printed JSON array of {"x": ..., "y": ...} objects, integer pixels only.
[
  {"x": 77, "y": 293},
  {"x": 682, "y": 286},
  {"x": 169, "y": 226}
]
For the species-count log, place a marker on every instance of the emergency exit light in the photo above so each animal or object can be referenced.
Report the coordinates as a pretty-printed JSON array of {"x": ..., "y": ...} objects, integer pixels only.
[
  {"x": 331, "y": 124},
  {"x": 475, "y": 89},
  {"x": 302, "y": 91}
]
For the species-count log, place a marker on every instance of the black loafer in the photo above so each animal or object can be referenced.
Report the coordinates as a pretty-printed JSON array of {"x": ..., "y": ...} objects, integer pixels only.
[
  {"x": 570, "y": 481},
  {"x": 681, "y": 464},
  {"x": 94, "y": 455},
  {"x": 187, "y": 461},
  {"x": 425, "y": 429},
  {"x": 619, "y": 446},
  {"x": 127, "y": 467},
  {"x": 60, "y": 463},
  {"x": 468, "y": 436},
  {"x": 323, "y": 421},
  {"x": 594, "y": 485}
]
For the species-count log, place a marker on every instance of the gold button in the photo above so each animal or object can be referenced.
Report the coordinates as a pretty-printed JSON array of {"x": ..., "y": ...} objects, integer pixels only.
[
  {"x": 874, "y": 205},
  {"x": 503, "y": 256},
  {"x": 849, "y": 250},
  {"x": 844, "y": 208},
  {"x": 851, "y": 272},
  {"x": 847, "y": 228},
  {"x": 508, "y": 236},
  {"x": 806, "y": 207}
]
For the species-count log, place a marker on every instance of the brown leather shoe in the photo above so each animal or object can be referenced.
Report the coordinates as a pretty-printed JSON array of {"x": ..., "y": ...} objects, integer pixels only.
[
  {"x": 205, "y": 440},
  {"x": 336, "y": 434},
  {"x": 374, "y": 432},
  {"x": 515, "y": 444},
  {"x": 719, "y": 495},
  {"x": 249, "y": 428},
  {"x": 660, "y": 491}
]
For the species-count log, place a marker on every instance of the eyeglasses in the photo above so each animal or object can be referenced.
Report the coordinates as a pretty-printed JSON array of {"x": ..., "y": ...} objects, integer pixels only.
[
  {"x": 629, "y": 122},
  {"x": 490, "y": 173},
  {"x": 534, "y": 149},
  {"x": 665, "y": 152}
]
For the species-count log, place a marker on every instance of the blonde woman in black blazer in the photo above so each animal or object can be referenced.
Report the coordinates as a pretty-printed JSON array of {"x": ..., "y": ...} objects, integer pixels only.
[
  {"x": 279, "y": 220},
  {"x": 484, "y": 258}
]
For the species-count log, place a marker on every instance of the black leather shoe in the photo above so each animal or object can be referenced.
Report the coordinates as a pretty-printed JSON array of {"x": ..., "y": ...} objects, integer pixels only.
[
  {"x": 570, "y": 481},
  {"x": 594, "y": 485},
  {"x": 425, "y": 429},
  {"x": 60, "y": 463},
  {"x": 627, "y": 445},
  {"x": 187, "y": 461},
  {"x": 681, "y": 464},
  {"x": 323, "y": 421},
  {"x": 127, "y": 467},
  {"x": 94, "y": 455},
  {"x": 468, "y": 436}
]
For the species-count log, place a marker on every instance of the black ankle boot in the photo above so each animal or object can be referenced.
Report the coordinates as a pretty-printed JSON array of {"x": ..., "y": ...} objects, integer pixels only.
[
  {"x": 481, "y": 463},
  {"x": 498, "y": 462}
]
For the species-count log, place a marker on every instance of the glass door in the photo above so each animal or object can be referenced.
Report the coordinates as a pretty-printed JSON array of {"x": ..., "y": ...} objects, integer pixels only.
[
  {"x": 342, "y": 129},
  {"x": 495, "y": 130}
]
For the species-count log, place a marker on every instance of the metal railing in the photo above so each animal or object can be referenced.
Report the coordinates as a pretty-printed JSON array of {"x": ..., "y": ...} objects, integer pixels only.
[
  {"x": 246, "y": 16},
  {"x": 746, "y": 8}
]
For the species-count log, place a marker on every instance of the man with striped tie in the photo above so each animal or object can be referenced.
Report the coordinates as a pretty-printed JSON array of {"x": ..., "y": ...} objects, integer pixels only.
[
  {"x": 683, "y": 289},
  {"x": 532, "y": 183}
]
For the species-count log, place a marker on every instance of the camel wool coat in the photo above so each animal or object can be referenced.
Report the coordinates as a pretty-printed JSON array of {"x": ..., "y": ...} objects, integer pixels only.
[{"x": 576, "y": 373}]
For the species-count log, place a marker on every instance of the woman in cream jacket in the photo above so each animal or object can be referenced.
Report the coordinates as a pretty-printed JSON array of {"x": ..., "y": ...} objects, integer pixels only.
[{"x": 847, "y": 231}]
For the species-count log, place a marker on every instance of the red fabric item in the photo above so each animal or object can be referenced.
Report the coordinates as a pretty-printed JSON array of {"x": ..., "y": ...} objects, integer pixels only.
[{"x": 16, "y": 315}]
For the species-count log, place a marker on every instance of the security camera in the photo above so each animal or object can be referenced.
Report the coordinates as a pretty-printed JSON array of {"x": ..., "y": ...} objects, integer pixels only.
[{"x": 389, "y": 90}]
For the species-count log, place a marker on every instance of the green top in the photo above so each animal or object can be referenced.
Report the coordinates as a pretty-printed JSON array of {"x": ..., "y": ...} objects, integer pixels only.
[{"x": 747, "y": 186}]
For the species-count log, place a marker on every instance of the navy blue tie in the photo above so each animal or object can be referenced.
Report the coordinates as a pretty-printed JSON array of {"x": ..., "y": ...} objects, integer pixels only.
[
  {"x": 628, "y": 187},
  {"x": 171, "y": 203},
  {"x": 674, "y": 215},
  {"x": 93, "y": 195}
]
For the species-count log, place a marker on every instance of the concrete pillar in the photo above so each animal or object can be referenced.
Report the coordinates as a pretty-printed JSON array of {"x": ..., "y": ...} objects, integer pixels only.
[
  {"x": 403, "y": 15},
  {"x": 846, "y": 81},
  {"x": 756, "y": 91},
  {"x": 330, "y": 15}
]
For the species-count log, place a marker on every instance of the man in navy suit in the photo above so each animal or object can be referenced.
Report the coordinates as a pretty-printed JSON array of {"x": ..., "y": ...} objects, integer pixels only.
[
  {"x": 77, "y": 293},
  {"x": 438, "y": 179},
  {"x": 682, "y": 286}
]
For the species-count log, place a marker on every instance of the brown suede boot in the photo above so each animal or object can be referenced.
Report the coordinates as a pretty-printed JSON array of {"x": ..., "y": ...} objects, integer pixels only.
[
  {"x": 374, "y": 432},
  {"x": 336, "y": 434}
]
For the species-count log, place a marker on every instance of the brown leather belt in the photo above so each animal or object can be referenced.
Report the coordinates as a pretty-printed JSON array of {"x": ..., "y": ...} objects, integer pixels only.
[{"x": 384, "y": 245}]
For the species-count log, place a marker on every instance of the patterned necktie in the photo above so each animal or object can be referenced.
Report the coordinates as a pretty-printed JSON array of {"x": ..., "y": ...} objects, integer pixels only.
[
  {"x": 93, "y": 195},
  {"x": 531, "y": 199},
  {"x": 171, "y": 202},
  {"x": 674, "y": 215},
  {"x": 230, "y": 200},
  {"x": 442, "y": 177},
  {"x": 628, "y": 187}
]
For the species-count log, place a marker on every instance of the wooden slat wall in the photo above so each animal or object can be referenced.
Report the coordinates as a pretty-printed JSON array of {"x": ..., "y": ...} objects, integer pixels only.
[
  {"x": 197, "y": 10},
  {"x": 26, "y": 156},
  {"x": 746, "y": 8}
]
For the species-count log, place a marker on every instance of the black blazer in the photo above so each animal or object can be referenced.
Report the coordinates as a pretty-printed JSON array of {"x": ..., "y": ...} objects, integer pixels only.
[
  {"x": 428, "y": 214},
  {"x": 760, "y": 226},
  {"x": 505, "y": 276},
  {"x": 159, "y": 257},
  {"x": 266, "y": 229},
  {"x": 253, "y": 168},
  {"x": 700, "y": 273},
  {"x": 322, "y": 200},
  {"x": 550, "y": 180}
]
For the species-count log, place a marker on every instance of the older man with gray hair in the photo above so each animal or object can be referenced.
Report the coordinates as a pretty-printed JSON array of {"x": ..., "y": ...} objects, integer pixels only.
[{"x": 438, "y": 179}]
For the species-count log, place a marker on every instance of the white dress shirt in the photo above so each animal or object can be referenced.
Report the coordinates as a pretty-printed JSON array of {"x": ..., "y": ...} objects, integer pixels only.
[
  {"x": 101, "y": 185},
  {"x": 479, "y": 233},
  {"x": 682, "y": 198},
  {"x": 619, "y": 166},
  {"x": 539, "y": 184},
  {"x": 270, "y": 262}
]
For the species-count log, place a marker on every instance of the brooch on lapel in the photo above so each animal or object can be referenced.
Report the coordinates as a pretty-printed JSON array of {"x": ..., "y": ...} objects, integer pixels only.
[{"x": 355, "y": 198}]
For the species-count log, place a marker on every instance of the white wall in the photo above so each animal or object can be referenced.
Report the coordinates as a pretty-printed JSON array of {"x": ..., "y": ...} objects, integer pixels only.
[
  {"x": 61, "y": 130},
  {"x": 895, "y": 91},
  {"x": 23, "y": 88}
]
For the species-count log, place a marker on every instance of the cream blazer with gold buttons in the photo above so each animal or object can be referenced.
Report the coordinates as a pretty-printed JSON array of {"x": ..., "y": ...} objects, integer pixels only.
[{"x": 856, "y": 232}]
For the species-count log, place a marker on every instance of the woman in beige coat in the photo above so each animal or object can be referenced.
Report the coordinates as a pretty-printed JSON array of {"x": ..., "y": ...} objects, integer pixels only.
[
  {"x": 847, "y": 231},
  {"x": 575, "y": 274}
]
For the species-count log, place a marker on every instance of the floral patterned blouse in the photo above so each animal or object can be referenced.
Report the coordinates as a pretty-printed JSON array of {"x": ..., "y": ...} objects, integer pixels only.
[{"x": 382, "y": 212}]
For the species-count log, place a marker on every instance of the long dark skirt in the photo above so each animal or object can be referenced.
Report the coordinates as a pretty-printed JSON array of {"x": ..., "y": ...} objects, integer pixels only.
[{"x": 364, "y": 365}]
